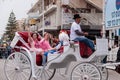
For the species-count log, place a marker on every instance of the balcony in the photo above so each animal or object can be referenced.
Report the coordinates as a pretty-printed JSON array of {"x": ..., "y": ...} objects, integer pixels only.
[
  {"x": 33, "y": 15},
  {"x": 49, "y": 10}
]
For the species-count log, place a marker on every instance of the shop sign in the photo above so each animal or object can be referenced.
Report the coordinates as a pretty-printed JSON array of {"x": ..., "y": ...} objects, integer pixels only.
[
  {"x": 112, "y": 13},
  {"x": 32, "y": 21}
]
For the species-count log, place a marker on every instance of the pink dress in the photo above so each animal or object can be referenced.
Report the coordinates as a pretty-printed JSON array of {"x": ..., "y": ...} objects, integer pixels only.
[
  {"x": 45, "y": 45},
  {"x": 35, "y": 46}
]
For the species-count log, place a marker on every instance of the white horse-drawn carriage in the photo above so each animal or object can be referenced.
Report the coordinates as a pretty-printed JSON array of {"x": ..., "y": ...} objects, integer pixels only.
[{"x": 21, "y": 64}]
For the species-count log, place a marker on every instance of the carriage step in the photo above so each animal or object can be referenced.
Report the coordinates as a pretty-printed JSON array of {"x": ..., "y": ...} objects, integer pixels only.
[{"x": 111, "y": 67}]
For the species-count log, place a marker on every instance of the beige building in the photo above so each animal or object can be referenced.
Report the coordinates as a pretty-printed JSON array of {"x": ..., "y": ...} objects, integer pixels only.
[
  {"x": 58, "y": 14},
  {"x": 21, "y": 24}
]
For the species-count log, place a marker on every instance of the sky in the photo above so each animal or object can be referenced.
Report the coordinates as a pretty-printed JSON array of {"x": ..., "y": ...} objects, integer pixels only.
[{"x": 19, "y": 7}]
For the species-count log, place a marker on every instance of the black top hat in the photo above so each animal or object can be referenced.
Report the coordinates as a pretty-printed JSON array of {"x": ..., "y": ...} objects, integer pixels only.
[{"x": 76, "y": 16}]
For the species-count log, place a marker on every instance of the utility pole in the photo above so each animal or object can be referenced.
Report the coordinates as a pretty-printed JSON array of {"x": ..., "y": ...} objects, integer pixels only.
[
  {"x": 103, "y": 23},
  {"x": 43, "y": 17}
]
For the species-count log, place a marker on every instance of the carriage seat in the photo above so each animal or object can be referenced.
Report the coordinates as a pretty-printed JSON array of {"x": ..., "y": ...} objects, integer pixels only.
[
  {"x": 21, "y": 39},
  {"x": 85, "y": 51},
  {"x": 61, "y": 50}
]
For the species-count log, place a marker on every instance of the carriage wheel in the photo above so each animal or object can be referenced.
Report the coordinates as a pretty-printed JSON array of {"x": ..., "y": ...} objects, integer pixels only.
[
  {"x": 104, "y": 73},
  {"x": 17, "y": 67},
  {"x": 44, "y": 74},
  {"x": 85, "y": 71}
]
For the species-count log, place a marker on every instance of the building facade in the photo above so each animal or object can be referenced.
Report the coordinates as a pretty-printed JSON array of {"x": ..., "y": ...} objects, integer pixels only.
[
  {"x": 58, "y": 14},
  {"x": 21, "y": 25}
]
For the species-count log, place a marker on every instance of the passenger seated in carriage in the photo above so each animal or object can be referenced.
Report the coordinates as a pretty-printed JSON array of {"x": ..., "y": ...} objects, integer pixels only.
[
  {"x": 76, "y": 33},
  {"x": 63, "y": 40},
  {"x": 39, "y": 44},
  {"x": 34, "y": 41},
  {"x": 44, "y": 43}
]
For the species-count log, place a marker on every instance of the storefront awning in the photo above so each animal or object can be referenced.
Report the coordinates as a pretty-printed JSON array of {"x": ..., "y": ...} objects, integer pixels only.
[{"x": 33, "y": 15}]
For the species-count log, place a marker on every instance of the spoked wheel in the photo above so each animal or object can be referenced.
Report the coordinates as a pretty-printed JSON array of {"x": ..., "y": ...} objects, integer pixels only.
[
  {"x": 44, "y": 74},
  {"x": 104, "y": 73},
  {"x": 85, "y": 71},
  {"x": 17, "y": 67}
]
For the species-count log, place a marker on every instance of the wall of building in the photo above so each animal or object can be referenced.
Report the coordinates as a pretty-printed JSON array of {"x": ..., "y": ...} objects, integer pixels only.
[
  {"x": 58, "y": 13},
  {"x": 96, "y": 3},
  {"x": 50, "y": 20},
  {"x": 20, "y": 25},
  {"x": 78, "y": 3}
]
